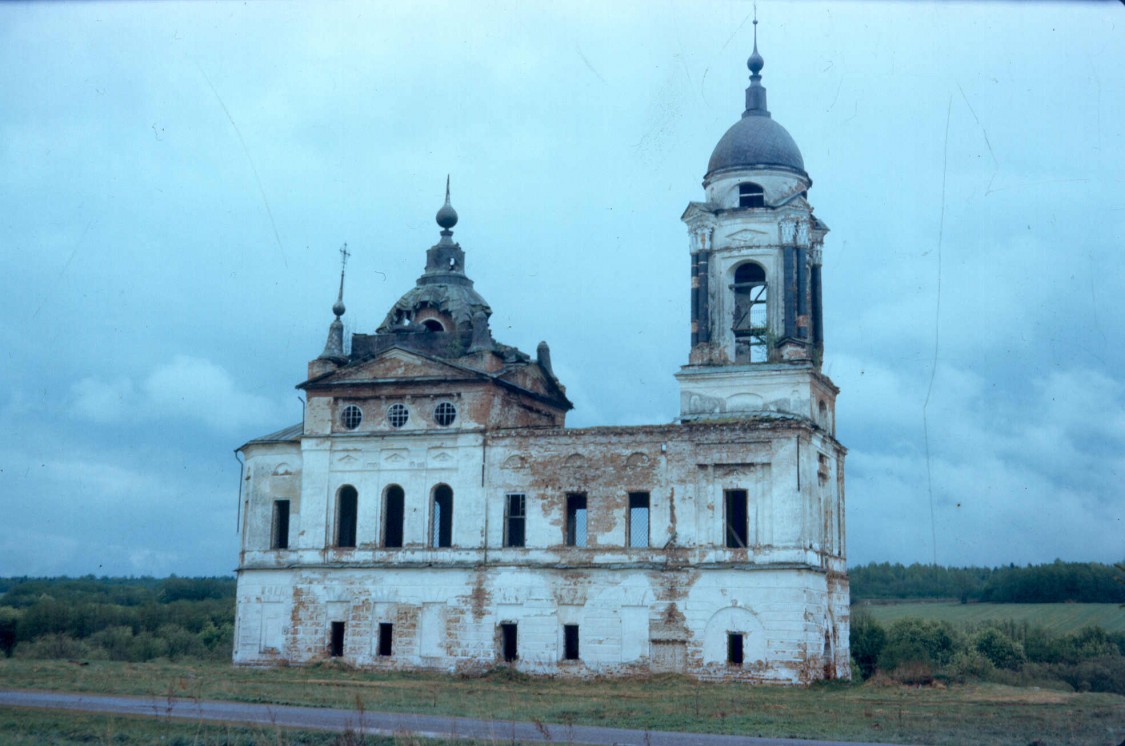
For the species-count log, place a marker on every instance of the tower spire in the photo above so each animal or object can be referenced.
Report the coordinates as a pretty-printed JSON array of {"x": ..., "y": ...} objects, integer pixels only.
[
  {"x": 756, "y": 93},
  {"x": 334, "y": 347}
]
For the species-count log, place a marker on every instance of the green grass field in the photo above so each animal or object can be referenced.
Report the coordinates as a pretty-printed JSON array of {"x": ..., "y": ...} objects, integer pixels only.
[
  {"x": 1058, "y": 618},
  {"x": 979, "y": 714}
]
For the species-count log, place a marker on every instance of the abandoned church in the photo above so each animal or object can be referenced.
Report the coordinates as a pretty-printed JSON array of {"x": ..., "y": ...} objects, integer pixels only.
[{"x": 433, "y": 511}]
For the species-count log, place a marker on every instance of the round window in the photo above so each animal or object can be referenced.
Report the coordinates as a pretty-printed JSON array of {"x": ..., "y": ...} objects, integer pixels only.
[
  {"x": 445, "y": 413},
  {"x": 351, "y": 416},
  {"x": 397, "y": 415}
]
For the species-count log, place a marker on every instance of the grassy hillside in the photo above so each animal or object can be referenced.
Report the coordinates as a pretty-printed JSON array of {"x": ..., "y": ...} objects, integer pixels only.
[{"x": 1058, "y": 618}]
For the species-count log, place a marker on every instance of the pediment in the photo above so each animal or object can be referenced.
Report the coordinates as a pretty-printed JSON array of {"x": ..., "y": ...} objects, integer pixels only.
[{"x": 398, "y": 364}]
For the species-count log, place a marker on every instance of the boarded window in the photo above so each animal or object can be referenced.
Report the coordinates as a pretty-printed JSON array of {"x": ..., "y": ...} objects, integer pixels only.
[
  {"x": 346, "y": 510},
  {"x": 279, "y": 531},
  {"x": 336, "y": 642},
  {"x": 751, "y": 195},
  {"x": 441, "y": 534},
  {"x": 570, "y": 642},
  {"x": 386, "y": 638},
  {"x": 734, "y": 648},
  {"x": 638, "y": 519},
  {"x": 735, "y": 518},
  {"x": 393, "y": 516},
  {"x": 508, "y": 642},
  {"x": 576, "y": 519},
  {"x": 515, "y": 513}
]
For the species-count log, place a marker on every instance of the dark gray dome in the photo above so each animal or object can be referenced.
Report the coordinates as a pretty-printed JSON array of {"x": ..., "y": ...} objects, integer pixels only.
[{"x": 756, "y": 140}]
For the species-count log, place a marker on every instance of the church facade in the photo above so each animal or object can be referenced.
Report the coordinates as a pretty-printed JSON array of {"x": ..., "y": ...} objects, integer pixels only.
[{"x": 433, "y": 510}]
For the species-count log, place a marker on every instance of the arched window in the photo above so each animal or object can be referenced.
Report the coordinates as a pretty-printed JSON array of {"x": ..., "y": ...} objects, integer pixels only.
[
  {"x": 441, "y": 526},
  {"x": 394, "y": 513},
  {"x": 751, "y": 320},
  {"x": 347, "y": 500},
  {"x": 433, "y": 325},
  {"x": 751, "y": 195}
]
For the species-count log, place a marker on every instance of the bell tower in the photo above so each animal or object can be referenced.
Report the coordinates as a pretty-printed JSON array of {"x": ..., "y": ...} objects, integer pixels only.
[{"x": 757, "y": 330}]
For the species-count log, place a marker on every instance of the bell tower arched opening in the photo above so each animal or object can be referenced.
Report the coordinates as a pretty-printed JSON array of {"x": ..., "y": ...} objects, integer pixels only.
[{"x": 750, "y": 324}]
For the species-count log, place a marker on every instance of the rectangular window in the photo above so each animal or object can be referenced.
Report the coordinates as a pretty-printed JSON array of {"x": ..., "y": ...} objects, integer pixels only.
[
  {"x": 393, "y": 515},
  {"x": 576, "y": 519},
  {"x": 386, "y": 638},
  {"x": 514, "y": 519},
  {"x": 638, "y": 519},
  {"x": 279, "y": 531},
  {"x": 570, "y": 642},
  {"x": 442, "y": 528},
  {"x": 508, "y": 641},
  {"x": 734, "y": 648},
  {"x": 336, "y": 645},
  {"x": 346, "y": 509},
  {"x": 735, "y": 517}
]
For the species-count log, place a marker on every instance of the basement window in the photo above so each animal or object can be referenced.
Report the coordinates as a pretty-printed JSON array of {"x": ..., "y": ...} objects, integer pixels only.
[
  {"x": 751, "y": 195},
  {"x": 336, "y": 641},
  {"x": 351, "y": 416},
  {"x": 570, "y": 642},
  {"x": 386, "y": 639},
  {"x": 347, "y": 500},
  {"x": 515, "y": 517},
  {"x": 735, "y": 517},
  {"x": 441, "y": 534},
  {"x": 279, "y": 529},
  {"x": 394, "y": 514},
  {"x": 734, "y": 648},
  {"x": 638, "y": 520},
  {"x": 576, "y": 519},
  {"x": 508, "y": 642}
]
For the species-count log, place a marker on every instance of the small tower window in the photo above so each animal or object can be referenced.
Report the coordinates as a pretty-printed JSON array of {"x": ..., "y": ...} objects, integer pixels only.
[
  {"x": 751, "y": 319},
  {"x": 751, "y": 195},
  {"x": 433, "y": 325},
  {"x": 397, "y": 415},
  {"x": 351, "y": 416},
  {"x": 445, "y": 413}
]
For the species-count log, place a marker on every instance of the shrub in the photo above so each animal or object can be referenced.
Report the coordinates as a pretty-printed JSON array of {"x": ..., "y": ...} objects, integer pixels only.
[
  {"x": 1000, "y": 649},
  {"x": 923, "y": 641},
  {"x": 867, "y": 639},
  {"x": 1104, "y": 674},
  {"x": 970, "y": 665},
  {"x": 57, "y": 646}
]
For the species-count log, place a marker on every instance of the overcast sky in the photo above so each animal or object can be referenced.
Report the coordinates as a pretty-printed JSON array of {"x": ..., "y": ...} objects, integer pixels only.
[{"x": 176, "y": 181}]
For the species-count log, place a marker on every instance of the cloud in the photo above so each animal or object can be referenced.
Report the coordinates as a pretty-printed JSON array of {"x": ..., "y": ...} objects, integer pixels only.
[{"x": 185, "y": 389}]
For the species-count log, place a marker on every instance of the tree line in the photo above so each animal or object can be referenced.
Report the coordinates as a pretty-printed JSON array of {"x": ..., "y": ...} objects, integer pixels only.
[
  {"x": 1055, "y": 582},
  {"x": 129, "y": 619},
  {"x": 919, "y": 651}
]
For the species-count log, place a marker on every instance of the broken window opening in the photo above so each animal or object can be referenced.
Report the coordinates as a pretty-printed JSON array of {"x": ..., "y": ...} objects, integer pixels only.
[
  {"x": 734, "y": 648},
  {"x": 751, "y": 195},
  {"x": 441, "y": 534},
  {"x": 336, "y": 644},
  {"x": 515, "y": 516},
  {"x": 508, "y": 642},
  {"x": 279, "y": 530},
  {"x": 638, "y": 520},
  {"x": 736, "y": 516},
  {"x": 347, "y": 500},
  {"x": 394, "y": 514},
  {"x": 751, "y": 314},
  {"x": 570, "y": 642},
  {"x": 576, "y": 519},
  {"x": 433, "y": 325},
  {"x": 386, "y": 639}
]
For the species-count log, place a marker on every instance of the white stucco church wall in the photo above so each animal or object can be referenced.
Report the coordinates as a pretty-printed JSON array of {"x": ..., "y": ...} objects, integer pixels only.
[{"x": 433, "y": 511}]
